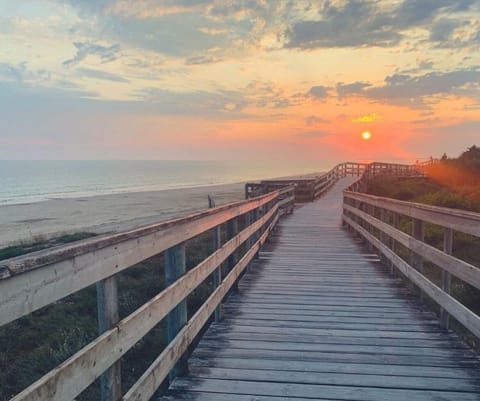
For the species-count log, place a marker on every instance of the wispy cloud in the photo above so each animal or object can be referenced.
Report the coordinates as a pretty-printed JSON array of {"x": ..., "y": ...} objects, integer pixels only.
[
  {"x": 103, "y": 75},
  {"x": 86, "y": 49}
]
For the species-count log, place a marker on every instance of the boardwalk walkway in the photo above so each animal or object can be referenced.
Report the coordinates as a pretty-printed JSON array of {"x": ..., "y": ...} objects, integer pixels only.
[{"x": 319, "y": 318}]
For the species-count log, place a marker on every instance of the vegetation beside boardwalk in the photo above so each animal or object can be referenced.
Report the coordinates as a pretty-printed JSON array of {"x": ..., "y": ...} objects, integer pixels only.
[
  {"x": 452, "y": 183},
  {"x": 39, "y": 243}
]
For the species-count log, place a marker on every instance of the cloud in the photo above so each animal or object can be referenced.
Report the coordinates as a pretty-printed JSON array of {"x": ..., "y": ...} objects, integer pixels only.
[
  {"x": 91, "y": 6},
  {"x": 155, "y": 8},
  {"x": 313, "y": 120},
  {"x": 198, "y": 60},
  {"x": 319, "y": 92},
  {"x": 12, "y": 72},
  {"x": 443, "y": 28},
  {"x": 354, "y": 88},
  {"x": 103, "y": 75},
  {"x": 85, "y": 49},
  {"x": 452, "y": 33},
  {"x": 219, "y": 104},
  {"x": 314, "y": 134},
  {"x": 269, "y": 95},
  {"x": 358, "y": 23},
  {"x": 407, "y": 89},
  {"x": 403, "y": 86}
]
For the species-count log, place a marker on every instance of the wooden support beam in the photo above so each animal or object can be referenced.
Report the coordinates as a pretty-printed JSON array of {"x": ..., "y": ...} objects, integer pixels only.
[
  {"x": 107, "y": 306},
  {"x": 232, "y": 229},
  {"x": 217, "y": 275},
  {"x": 383, "y": 237},
  {"x": 175, "y": 267},
  {"x": 418, "y": 232},
  {"x": 446, "y": 278},
  {"x": 396, "y": 224}
]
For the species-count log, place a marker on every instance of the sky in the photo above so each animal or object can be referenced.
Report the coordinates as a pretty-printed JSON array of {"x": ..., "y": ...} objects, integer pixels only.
[{"x": 247, "y": 79}]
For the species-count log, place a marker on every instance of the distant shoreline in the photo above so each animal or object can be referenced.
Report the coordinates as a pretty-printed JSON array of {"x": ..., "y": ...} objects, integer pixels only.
[
  {"x": 77, "y": 196},
  {"x": 29, "y": 222}
]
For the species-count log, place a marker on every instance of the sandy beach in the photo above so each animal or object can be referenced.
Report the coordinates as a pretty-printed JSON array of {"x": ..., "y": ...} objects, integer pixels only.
[{"x": 106, "y": 213}]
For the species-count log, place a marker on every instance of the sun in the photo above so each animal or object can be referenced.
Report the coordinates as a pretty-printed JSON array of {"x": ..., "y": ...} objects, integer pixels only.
[{"x": 366, "y": 135}]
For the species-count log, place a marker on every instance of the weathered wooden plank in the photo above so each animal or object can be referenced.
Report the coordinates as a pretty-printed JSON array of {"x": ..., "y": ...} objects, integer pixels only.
[
  {"x": 336, "y": 367},
  {"x": 423, "y": 328},
  {"x": 345, "y": 357},
  {"x": 293, "y": 390},
  {"x": 238, "y": 334},
  {"x": 314, "y": 312},
  {"x": 332, "y": 319},
  {"x": 300, "y": 331},
  {"x": 346, "y": 348},
  {"x": 337, "y": 379}
]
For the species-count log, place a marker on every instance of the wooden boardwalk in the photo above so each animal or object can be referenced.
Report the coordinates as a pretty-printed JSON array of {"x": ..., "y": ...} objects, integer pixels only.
[{"x": 317, "y": 317}]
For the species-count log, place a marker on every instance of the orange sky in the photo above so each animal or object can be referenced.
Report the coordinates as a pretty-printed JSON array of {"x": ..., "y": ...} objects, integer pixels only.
[{"x": 211, "y": 79}]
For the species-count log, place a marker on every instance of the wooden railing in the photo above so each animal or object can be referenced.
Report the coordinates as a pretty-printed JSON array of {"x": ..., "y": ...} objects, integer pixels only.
[
  {"x": 377, "y": 220},
  {"x": 31, "y": 282},
  {"x": 309, "y": 188}
]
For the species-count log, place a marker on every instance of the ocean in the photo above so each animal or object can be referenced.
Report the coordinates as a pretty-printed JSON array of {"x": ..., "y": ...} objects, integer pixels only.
[{"x": 36, "y": 181}]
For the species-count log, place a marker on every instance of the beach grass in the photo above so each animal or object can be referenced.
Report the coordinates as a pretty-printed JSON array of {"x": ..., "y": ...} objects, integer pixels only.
[{"x": 39, "y": 242}]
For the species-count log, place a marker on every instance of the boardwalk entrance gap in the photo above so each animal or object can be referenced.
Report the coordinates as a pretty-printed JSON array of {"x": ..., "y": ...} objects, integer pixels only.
[{"x": 317, "y": 315}]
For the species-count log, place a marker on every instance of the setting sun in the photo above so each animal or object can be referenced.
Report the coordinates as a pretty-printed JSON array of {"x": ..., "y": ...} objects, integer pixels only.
[{"x": 366, "y": 135}]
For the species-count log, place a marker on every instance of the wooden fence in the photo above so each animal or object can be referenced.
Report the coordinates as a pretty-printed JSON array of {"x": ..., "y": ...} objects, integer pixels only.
[
  {"x": 377, "y": 220},
  {"x": 31, "y": 282},
  {"x": 309, "y": 188}
]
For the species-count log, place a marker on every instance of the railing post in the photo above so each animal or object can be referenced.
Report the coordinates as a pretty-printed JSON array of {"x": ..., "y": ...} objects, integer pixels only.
[
  {"x": 217, "y": 274},
  {"x": 232, "y": 230},
  {"x": 175, "y": 267},
  {"x": 369, "y": 210},
  {"x": 383, "y": 236},
  {"x": 418, "y": 232},
  {"x": 446, "y": 279},
  {"x": 248, "y": 242},
  {"x": 396, "y": 224},
  {"x": 107, "y": 305}
]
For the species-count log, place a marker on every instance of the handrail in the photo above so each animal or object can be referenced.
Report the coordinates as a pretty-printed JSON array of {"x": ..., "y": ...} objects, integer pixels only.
[
  {"x": 58, "y": 272},
  {"x": 360, "y": 215},
  {"x": 36, "y": 280},
  {"x": 458, "y": 220}
]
